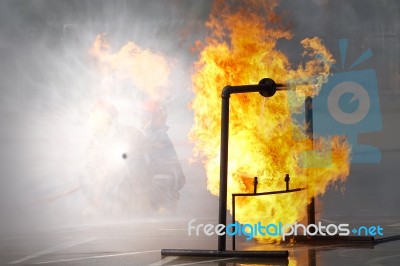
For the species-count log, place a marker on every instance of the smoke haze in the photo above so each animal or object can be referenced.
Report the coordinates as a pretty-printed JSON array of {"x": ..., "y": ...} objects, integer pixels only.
[{"x": 48, "y": 83}]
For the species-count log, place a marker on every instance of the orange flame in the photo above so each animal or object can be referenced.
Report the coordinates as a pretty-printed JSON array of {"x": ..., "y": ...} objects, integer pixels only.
[
  {"x": 264, "y": 140},
  {"x": 147, "y": 70}
]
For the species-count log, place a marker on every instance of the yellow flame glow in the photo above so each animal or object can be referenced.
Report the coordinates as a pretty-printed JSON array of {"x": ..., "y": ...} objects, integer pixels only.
[
  {"x": 148, "y": 71},
  {"x": 145, "y": 71}
]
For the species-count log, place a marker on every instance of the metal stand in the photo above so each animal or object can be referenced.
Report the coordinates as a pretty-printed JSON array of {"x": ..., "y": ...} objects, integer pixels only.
[
  {"x": 310, "y": 135},
  {"x": 267, "y": 88},
  {"x": 255, "y": 182},
  {"x": 226, "y": 253}
]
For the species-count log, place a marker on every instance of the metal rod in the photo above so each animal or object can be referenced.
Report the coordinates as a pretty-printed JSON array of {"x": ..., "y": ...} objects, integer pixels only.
[
  {"x": 268, "y": 193},
  {"x": 312, "y": 257},
  {"x": 267, "y": 88},
  {"x": 287, "y": 180},
  {"x": 233, "y": 220},
  {"x": 310, "y": 133},
  {"x": 228, "y": 90},
  {"x": 234, "y": 254},
  {"x": 386, "y": 239},
  {"x": 255, "y": 183},
  {"x": 332, "y": 239},
  {"x": 234, "y": 195},
  {"x": 223, "y": 181}
]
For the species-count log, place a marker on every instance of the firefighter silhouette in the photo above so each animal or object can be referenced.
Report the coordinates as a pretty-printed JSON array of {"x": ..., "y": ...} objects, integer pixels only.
[{"x": 163, "y": 163}]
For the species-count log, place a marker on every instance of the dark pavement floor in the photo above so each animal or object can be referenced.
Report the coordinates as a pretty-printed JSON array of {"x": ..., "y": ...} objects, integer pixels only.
[
  {"x": 140, "y": 243},
  {"x": 47, "y": 233}
]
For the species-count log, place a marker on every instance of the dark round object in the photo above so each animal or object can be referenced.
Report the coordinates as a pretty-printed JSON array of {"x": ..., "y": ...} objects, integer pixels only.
[
  {"x": 117, "y": 187},
  {"x": 269, "y": 87}
]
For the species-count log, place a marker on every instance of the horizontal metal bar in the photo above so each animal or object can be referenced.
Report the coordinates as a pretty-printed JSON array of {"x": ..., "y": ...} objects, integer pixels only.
[
  {"x": 227, "y": 253},
  {"x": 267, "y": 193},
  {"x": 228, "y": 90},
  {"x": 386, "y": 239},
  {"x": 335, "y": 239},
  {"x": 234, "y": 195}
]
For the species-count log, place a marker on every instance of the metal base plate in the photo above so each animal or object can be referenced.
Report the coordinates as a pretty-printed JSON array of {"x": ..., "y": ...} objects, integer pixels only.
[{"x": 228, "y": 253}]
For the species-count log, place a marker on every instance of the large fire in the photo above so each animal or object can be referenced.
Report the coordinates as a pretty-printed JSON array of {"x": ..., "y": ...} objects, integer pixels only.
[{"x": 264, "y": 141}]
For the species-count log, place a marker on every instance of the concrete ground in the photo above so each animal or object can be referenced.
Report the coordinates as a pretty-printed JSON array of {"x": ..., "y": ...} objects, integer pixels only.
[
  {"x": 140, "y": 243},
  {"x": 53, "y": 231}
]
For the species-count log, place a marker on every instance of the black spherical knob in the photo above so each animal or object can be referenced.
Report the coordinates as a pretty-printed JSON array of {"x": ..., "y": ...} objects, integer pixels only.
[
  {"x": 268, "y": 87},
  {"x": 124, "y": 156}
]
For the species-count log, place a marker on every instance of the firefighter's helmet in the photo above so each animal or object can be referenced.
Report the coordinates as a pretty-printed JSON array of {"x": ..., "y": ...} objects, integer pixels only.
[{"x": 152, "y": 113}]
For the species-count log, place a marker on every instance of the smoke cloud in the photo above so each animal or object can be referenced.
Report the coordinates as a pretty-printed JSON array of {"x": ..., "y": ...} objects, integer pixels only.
[{"x": 50, "y": 82}]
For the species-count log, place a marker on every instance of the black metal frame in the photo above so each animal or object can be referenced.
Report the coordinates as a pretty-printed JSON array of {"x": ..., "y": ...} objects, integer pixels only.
[
  {"x": 310, "y": 134},
  {"x": 255, "y": 194},
  {"x": 267, "y": 88}
]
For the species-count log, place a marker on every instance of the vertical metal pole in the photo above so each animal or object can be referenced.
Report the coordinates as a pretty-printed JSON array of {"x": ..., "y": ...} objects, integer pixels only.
[
  {"x": 310, "y": 133},
  {"x": 287, "y": 180},
  {"x": 233, "y": 220},
  {"x": 255, "y": 184},
  {"x": 312, "y": 257},
  {"x": 223, "y": 181}
]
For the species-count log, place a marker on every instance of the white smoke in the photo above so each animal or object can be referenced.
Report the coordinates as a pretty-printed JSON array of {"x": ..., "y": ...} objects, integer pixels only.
[{"x": 48, "y": 85}]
